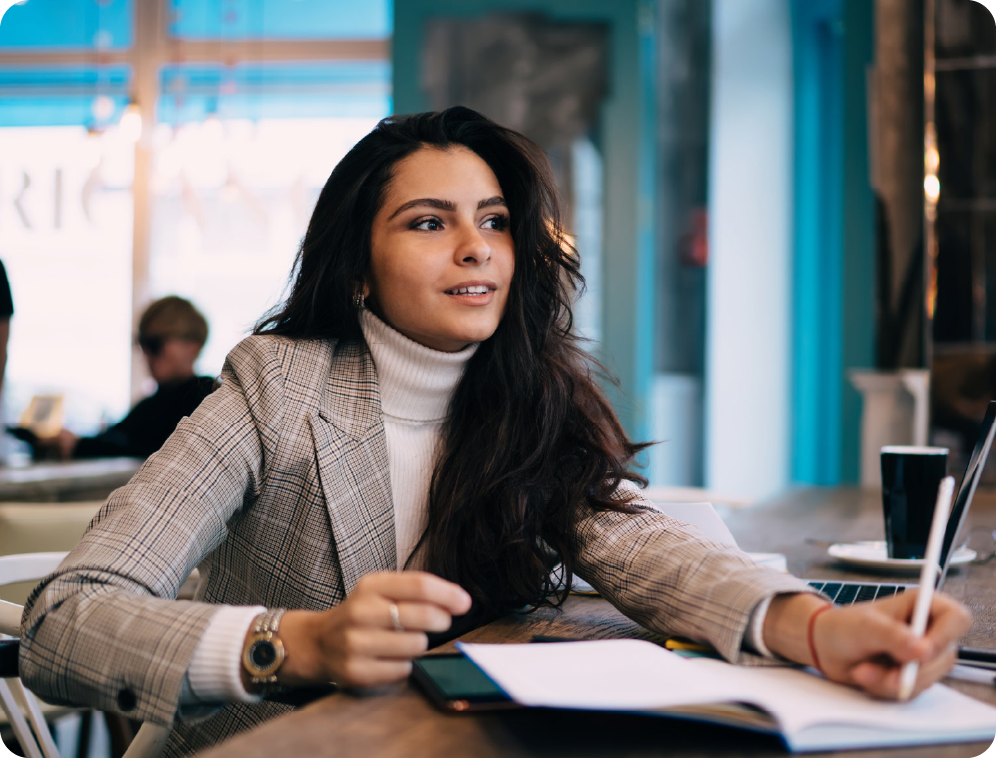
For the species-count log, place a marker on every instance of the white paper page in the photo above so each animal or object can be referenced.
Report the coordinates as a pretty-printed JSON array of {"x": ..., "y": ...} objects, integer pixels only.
[
  {"x": 798, "y": 698},
  {"x": 630, "y": 675},
  {"x": 702, "y": 515}
]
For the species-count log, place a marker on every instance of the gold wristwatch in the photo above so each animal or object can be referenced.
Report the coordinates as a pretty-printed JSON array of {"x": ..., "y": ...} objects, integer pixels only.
[{"x": 263, "y": 653}]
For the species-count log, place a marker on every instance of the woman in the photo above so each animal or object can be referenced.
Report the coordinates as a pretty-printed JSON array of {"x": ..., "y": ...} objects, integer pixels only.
[{"x": 419, "y": 401}]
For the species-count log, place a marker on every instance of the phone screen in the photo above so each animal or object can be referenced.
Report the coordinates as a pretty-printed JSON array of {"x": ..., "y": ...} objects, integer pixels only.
[{"x": 455, "y": 683}]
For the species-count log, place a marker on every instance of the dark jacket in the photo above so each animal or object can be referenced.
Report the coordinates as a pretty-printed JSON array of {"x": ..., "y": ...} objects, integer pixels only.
[{"x": 144, "y": 430}]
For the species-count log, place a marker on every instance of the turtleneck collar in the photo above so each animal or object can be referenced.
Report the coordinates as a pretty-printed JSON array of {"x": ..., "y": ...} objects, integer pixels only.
[{"x": 416, "y": 382}]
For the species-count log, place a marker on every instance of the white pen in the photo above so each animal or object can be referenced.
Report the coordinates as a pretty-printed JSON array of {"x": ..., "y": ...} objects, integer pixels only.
[{"x": 928, "y": 578}]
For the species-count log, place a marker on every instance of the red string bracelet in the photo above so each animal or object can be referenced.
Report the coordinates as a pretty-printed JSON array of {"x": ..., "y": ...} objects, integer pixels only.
[{"x": 809, "y": 637}]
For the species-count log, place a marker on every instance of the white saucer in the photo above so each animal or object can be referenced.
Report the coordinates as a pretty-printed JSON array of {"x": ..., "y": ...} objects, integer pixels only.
[{"x": 875, "y": 555}]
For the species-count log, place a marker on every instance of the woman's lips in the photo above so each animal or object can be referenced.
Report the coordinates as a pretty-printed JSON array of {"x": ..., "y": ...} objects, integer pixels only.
[
  {"x": 472, "y": 298},
  {"x": 473, "y": 293}
]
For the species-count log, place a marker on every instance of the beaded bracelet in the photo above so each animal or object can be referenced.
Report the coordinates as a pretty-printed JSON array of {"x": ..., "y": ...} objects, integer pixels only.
[{"x": 809, "y": 637}]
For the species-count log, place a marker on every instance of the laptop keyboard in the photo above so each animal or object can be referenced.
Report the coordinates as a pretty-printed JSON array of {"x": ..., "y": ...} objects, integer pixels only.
[{"x": 845, "y": 593}]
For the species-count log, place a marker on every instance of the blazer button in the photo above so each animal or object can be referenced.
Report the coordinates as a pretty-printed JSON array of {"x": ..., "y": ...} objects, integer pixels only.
[{"x": 127, "y": 700}]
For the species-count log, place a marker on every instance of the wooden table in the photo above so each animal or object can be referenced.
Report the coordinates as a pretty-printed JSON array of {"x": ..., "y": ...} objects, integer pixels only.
[
  {"x": 398, "y": 721},
  {"x": 69, "y": 481}
]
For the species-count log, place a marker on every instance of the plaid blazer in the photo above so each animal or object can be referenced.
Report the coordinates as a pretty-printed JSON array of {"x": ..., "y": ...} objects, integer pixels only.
[{"x": 278, "y": 486}]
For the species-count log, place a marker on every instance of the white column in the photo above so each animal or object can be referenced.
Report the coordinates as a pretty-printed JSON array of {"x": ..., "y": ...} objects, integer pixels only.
[{"x": 748, "y": 390}]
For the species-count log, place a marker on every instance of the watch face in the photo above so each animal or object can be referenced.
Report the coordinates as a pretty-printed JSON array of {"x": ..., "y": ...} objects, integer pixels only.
[{"x": 263, "y": 654}]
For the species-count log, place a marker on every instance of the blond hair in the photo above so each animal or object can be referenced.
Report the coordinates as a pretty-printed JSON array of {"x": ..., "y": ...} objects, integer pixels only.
[{"x": 174, "y": 316}]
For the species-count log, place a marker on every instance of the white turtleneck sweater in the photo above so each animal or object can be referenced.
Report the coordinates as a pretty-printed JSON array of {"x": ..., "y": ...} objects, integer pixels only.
[{"x": 416, "y": 385}]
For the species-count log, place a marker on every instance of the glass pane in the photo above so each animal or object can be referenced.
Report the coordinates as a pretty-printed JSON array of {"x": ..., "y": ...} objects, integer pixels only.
[
  {"x": 281, "y": 19},
  {"x": 65, "y": 239},
  {"x": 319, "y": 90},
  {"x": 231, "y": 202},
  {"x": 63, "y": 95},
  {"x": 100, "y": 24}
]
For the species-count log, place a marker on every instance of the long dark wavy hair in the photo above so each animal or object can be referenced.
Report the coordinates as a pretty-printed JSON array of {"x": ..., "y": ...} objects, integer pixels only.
[{"x": 530, "y": 437}]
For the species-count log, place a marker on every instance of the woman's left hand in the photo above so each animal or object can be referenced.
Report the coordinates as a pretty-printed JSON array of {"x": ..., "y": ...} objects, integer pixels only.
[{"x": 866, "y": 644}]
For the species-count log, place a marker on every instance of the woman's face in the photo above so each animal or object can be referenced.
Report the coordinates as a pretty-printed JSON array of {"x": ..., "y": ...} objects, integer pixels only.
[{"x": 441, "y": 253}]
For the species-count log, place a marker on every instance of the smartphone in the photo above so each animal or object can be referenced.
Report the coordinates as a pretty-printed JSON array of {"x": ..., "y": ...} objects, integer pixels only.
[{"x": 452, "y": 682}]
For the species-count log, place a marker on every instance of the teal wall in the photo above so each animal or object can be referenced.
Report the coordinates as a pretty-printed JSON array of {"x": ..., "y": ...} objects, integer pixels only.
[
  {"x": 625, "y": 137},
  {"x": 834, "y": 236}
]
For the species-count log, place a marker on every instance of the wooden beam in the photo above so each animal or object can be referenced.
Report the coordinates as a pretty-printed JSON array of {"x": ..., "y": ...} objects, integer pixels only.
[{"x": 165, "y": 50}]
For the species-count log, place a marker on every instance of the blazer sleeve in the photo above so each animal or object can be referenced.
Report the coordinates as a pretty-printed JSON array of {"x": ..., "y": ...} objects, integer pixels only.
[
  {"x": 104, "y": 630},
  {"x": 670, "y": 578}
]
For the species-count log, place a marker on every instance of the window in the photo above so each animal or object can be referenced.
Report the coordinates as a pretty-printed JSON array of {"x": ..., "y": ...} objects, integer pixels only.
[{"x": 249, "y": 105}]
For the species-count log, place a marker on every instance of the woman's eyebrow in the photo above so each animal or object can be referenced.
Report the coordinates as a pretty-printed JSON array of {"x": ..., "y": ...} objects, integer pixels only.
[
  {"x": 443, "y": 205},
  {"x": 496, "y": 200}
]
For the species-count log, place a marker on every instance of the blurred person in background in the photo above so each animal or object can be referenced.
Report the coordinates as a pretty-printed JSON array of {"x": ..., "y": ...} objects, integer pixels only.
[
  {"x": 171, "y": 334},
  {"x": 6, "y": 311}
]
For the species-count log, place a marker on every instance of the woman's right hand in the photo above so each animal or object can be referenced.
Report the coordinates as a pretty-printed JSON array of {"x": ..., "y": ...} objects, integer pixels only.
[{"x": 356, "y": 644}]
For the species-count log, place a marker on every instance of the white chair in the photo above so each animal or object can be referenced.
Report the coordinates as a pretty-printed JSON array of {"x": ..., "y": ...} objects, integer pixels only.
[{"x": 18, "y": 703}]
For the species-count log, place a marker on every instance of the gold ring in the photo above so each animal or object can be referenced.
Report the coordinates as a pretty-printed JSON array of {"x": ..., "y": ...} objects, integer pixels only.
[{"x": 396, "y": 618}]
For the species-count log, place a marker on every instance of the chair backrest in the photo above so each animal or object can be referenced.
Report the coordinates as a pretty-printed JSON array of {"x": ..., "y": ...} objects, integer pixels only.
[
  {"x": 17, "y": 702},
  {"x": 28, "y": 567},
  {"x": 25, "y": 567},
  {"x": 20, "y": 705}
]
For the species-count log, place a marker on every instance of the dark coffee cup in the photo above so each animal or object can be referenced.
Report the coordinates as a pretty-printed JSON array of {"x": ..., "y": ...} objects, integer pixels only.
[{"x": 910, "y": 479}]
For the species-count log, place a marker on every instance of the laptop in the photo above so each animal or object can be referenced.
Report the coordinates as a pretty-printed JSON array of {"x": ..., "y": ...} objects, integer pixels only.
[{"x": 845, "y": 593}]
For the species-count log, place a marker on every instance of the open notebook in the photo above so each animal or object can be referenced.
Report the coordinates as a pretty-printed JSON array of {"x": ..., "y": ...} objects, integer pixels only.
[{"x": 806, "y": 711}]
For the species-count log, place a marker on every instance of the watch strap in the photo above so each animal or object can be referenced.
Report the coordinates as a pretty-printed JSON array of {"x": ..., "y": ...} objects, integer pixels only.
[
  {"x": 268, "y": 622},
  {"x": 265, "y": 628}
]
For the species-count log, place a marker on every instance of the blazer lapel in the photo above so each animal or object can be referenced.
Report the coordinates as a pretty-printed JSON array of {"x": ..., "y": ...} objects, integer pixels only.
[{"x": 353, "y": 465}]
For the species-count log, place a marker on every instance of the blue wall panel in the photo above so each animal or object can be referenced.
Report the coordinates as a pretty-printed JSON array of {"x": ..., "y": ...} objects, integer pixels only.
[{"x": 833, "y": 329}]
